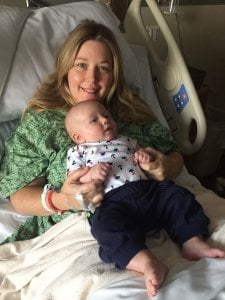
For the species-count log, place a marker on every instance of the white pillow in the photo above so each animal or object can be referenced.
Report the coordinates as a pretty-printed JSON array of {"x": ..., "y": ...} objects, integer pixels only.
[
  {"x": 41, "y": 36},
  {"x": 11, "y": 22}
]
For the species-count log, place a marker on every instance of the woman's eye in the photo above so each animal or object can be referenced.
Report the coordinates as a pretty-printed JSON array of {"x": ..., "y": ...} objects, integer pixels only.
[
  {"x": 81, "y": 65},
  {"x": 104, "y": 69}
]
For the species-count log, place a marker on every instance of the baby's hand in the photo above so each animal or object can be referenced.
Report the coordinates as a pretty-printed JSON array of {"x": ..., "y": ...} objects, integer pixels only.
[
  {"x": 100, "y": 171},
  {"x": 141, "y": 156}
]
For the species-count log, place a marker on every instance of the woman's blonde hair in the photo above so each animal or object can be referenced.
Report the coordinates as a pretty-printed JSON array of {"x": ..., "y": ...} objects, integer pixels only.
[{"x": 54, "y": 93}]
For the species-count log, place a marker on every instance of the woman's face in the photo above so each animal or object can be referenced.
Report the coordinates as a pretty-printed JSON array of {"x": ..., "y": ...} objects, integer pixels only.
[{"x": 92, "y": 74}]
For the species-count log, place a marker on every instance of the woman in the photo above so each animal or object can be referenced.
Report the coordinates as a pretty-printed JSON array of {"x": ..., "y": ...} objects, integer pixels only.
[{"x": 88, "y": 67}]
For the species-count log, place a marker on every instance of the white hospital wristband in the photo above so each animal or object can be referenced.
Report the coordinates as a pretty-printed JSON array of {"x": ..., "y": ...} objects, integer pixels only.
[{"x": 46, "y": 189}]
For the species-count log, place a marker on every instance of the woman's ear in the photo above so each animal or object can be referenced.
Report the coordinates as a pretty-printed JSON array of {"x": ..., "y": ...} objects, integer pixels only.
[{"x": 78, "y": 139}]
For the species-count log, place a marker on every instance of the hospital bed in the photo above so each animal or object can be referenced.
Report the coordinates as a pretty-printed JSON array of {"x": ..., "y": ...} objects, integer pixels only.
[{"x": 63, "y": 262}]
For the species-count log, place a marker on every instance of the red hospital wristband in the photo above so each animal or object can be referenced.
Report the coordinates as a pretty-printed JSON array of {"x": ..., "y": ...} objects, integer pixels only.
[{"x": 52, "y": 206}]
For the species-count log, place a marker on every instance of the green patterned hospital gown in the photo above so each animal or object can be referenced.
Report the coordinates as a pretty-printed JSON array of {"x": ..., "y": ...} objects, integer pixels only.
[{"x": 38, "y": 148}]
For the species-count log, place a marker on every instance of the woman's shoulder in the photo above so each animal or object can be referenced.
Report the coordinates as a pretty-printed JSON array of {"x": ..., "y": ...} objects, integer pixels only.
[
  {"x": 40, "y": 127},
  {"x": 137, "y": 128},
  {"x": 152, "y": 134},
  {"x": 36, "y": 148},
  {"x": 43, "y": 118}
]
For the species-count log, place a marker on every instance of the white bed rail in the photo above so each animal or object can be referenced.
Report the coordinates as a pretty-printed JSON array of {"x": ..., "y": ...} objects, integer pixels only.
[{"x": 175, "y": 90}]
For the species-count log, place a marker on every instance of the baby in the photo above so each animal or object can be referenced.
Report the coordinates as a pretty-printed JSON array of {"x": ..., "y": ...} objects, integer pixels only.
[{"x": 133, "y": 203}]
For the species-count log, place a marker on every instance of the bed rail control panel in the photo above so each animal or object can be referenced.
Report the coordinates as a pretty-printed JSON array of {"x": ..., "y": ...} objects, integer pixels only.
[
  {"x": 174, "y": 87},
  {"x": 181, "y": 99}
]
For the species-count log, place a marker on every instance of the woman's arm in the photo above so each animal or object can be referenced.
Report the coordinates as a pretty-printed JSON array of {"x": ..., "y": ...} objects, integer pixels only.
[{"x": 27, "y": 201}]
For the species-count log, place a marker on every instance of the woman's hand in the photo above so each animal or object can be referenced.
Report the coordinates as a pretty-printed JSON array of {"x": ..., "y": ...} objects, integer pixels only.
[
  {"x": 162, "y": 166},
  {"x": 91, "y": 192},
  {"x": 27, "y": 201}
]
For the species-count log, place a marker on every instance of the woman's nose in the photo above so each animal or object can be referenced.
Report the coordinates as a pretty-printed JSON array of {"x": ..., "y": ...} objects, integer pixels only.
[{"x": 91, "y": 76}]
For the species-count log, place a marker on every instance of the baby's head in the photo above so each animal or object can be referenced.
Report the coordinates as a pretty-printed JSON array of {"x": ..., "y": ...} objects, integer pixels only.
[{"x": 89, "y": 121}]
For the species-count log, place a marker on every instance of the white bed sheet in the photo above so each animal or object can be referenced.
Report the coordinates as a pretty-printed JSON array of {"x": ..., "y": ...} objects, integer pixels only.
[
  {"x": 10, "y": 219},
  {"x": 29, "y": 270},
  {"x": 196, "y": 281}
]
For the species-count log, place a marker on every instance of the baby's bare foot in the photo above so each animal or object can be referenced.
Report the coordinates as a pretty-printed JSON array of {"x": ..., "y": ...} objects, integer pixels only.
[
  {"x": 196, "y": 248},
  {"x": 154, "y": 273}
]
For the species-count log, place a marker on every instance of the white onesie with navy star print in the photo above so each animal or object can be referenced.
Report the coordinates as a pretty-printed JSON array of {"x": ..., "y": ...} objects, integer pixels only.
[{"x": 118, "y": 152}]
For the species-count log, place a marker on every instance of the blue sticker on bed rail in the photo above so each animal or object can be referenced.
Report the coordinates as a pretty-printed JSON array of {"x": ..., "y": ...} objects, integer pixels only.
[{"x": 181, "y": 99}]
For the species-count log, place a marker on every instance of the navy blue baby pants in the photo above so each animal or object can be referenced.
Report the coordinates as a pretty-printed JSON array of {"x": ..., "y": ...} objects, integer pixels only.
[{"x": 130, "y": 211}]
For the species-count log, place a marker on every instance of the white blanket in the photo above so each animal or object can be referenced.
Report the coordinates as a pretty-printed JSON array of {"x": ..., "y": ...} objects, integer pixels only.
[{"x": 63, "y": 263}]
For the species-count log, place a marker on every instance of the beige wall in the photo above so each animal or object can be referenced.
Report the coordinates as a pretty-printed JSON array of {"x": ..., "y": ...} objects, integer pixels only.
[
  {"x": 20, "y": 3},
  {"x": 200, "y": 32},
  {"x": 203, "y": 34}
]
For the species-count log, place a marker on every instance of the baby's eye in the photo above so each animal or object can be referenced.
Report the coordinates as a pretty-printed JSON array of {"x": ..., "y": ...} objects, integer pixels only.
[{"x": 94, "y": 120}]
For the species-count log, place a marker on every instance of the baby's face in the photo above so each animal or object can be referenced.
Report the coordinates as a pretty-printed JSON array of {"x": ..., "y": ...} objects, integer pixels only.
[{"x": 96, "y": 123}]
